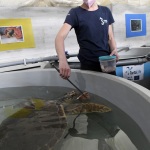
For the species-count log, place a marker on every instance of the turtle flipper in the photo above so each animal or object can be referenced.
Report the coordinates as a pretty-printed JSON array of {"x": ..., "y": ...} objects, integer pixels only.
[{"x": 87, "y": 108}]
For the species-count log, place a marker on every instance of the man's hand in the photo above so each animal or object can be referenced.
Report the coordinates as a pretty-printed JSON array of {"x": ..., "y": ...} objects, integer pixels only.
[
  {"x": 64, "y": 70},
  {"x": 114, "y": 52}
]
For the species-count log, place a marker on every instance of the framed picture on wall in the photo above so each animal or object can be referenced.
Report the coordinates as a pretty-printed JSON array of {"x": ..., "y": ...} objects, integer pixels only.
[
  {"x": 135, "y": 25},
  {"x": 16, "y": 33},
  {"x": 11, "y": 34}
]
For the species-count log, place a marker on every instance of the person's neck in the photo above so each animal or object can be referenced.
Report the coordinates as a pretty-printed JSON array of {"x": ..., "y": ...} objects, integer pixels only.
[{"x": 92, "y": 8}]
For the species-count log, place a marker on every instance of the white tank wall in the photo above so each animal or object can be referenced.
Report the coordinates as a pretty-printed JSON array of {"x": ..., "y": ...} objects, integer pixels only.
[{"x": 131, "y": 98}]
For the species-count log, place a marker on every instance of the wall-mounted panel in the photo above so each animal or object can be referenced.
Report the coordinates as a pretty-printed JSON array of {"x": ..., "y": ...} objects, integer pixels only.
[{"x": 135, "y": 25}]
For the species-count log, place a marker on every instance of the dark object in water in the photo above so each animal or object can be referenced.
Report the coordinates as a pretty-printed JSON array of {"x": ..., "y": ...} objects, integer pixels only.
[{"x": 40, "y": 124}]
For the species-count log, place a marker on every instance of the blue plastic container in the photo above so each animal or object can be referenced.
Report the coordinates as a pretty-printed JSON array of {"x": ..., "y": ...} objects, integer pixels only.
[{"x": 134, "y": 72}]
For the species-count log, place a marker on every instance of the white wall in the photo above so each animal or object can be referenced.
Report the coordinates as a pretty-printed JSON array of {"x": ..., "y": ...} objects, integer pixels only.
[
  {"x": 119, "y": 12},
  {"x": 69, "y": 3},
  {"x": 46, "y": 22}
]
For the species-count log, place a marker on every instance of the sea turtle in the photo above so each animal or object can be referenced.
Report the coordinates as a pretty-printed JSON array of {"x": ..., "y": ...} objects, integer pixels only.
[{"x": 40, "y": 124}]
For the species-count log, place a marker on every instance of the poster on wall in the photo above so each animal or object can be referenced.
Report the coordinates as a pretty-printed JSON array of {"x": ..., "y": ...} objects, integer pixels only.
[
  {"x": 135, "y": 25},
  {"x": 16, "y": 34}
]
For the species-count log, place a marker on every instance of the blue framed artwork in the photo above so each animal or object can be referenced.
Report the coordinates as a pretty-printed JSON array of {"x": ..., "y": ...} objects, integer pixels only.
[{"x": 135, "y": 25}]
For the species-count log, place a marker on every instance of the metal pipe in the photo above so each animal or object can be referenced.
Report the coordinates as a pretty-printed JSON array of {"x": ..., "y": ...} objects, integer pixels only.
[
  {"x": 123, "y": 49},
  {"x": 75, "y": 65},
  {"x": 134, "y": 61},
  {"x": 145, "y": 46},
  {"x": 33, "y": 60},
  {"x": 124, "y": 62},
  {"x": 27, "y": 61}
]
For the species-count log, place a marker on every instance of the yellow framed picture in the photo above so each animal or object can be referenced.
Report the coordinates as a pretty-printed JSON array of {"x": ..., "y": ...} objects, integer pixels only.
[{"x": 16, "y": 34}]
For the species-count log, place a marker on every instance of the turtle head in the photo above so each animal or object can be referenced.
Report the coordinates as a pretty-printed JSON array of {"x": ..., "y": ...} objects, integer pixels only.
[{"x": 74, "y": 97}]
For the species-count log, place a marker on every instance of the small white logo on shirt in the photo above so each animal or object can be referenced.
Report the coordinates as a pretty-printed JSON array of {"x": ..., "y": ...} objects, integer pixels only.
[{"x": 102, "y": 21}]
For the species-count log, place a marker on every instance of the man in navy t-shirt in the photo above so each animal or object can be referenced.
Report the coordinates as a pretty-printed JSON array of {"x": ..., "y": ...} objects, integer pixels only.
[{"x": 93, "y": 28}]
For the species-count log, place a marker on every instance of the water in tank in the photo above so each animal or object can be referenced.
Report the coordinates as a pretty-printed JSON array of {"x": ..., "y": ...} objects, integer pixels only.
[{"x": 26, "y": 124}]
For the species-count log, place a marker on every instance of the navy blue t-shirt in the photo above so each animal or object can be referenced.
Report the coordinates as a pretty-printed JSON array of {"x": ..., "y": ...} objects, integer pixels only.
[{"x": 91, "y": 28}]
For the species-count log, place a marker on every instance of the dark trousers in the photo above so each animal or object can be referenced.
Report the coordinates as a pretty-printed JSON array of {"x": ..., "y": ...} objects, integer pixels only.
[{"x": 94, "y": 67}]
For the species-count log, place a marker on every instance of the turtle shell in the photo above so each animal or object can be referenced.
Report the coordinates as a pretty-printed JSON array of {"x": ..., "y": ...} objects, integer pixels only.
[
  {"x": 33, "y": 129},
  {"x": 40, "y": 124}
]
